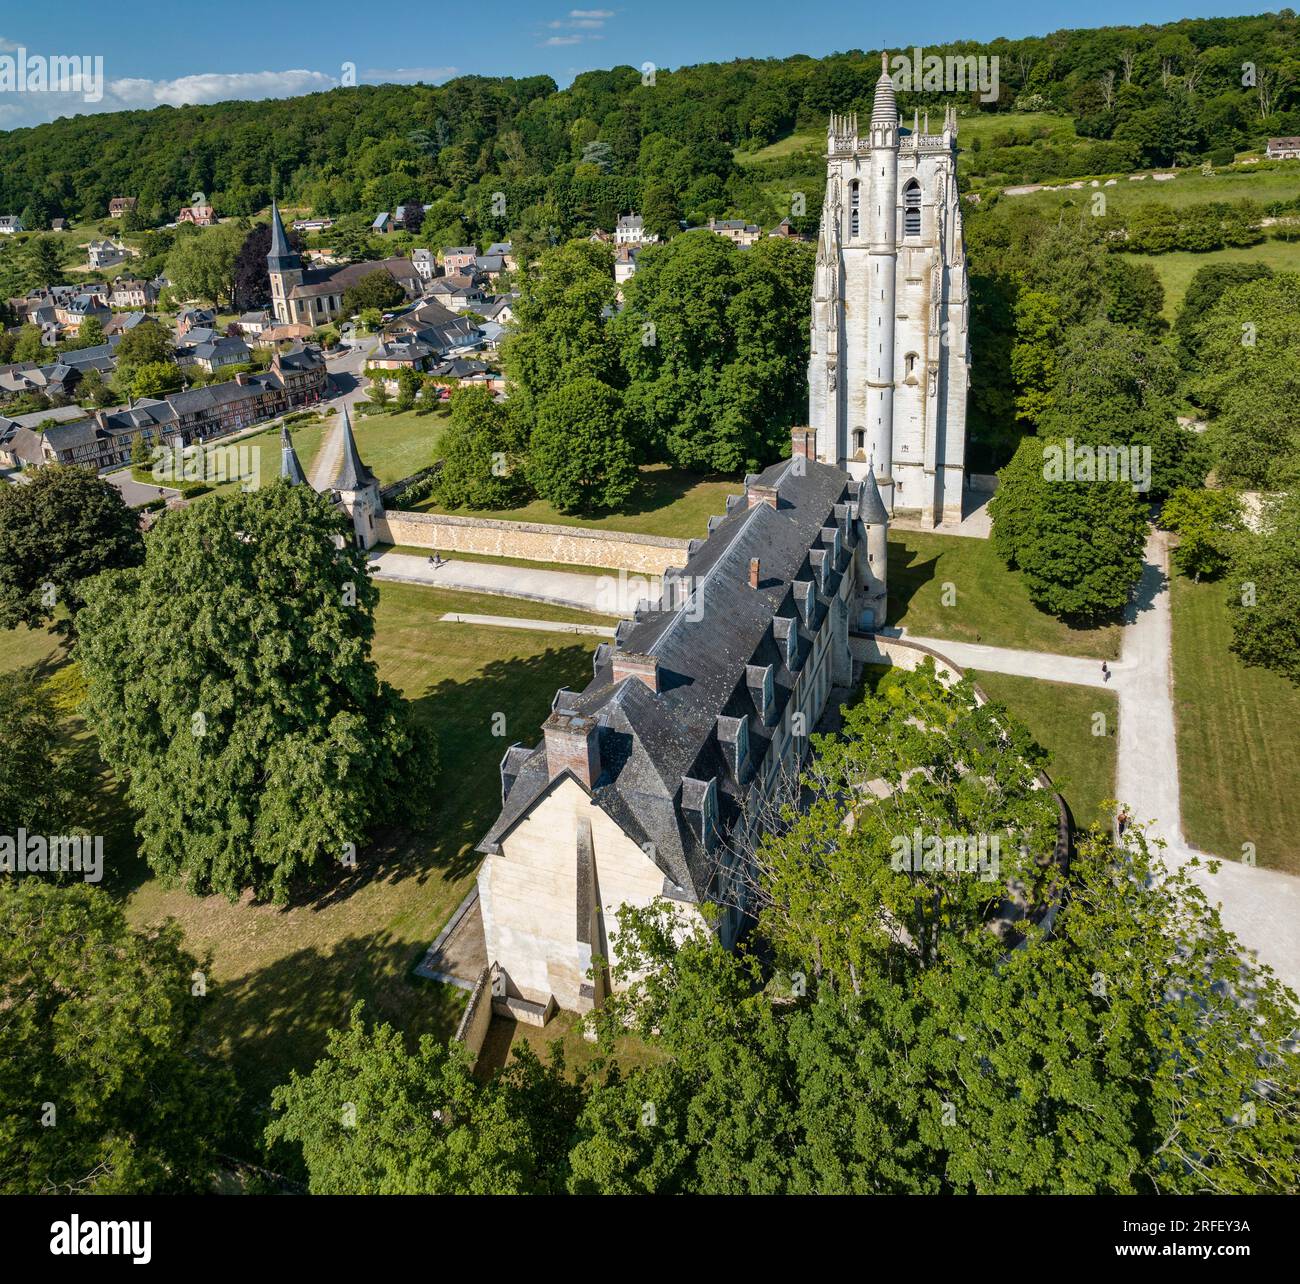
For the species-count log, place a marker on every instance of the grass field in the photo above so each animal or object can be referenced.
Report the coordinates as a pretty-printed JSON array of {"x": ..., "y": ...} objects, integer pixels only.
[
  {"x": 990, "y": 605},
  {"x": 1177, "y": 268},
  {"x": 280, "y": 978},
  {"x": 396, "y": 445},
  {"x": 667, "y": 502},
  {"x": 1190, "y": 187},
  {"x": 1061, "y": 718},
  {"x": 1238, "y": 738}
]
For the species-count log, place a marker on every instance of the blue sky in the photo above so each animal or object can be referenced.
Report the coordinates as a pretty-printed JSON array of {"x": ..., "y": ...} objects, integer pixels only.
[{"x": 154, "y": 54}]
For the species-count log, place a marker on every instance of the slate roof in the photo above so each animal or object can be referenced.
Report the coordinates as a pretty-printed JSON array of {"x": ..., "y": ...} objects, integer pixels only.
[
  {"x": 290, "y": 468},
  {"x": 319, "y": 282},
  {"x": 353, "y": 474},
  {"x": 282, "y": 256},
  {"x": 658, "y": 751}
]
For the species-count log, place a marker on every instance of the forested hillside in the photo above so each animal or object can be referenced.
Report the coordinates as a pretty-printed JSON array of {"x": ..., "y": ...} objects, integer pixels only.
[{"x": 667, "y": 142}]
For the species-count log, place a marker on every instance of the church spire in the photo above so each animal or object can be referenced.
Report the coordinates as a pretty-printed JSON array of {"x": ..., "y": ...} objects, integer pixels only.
[
  {"x": 281, "y": 255},
  {"x": 290, "y": 468},
  {"x": 353, "y": 475}
]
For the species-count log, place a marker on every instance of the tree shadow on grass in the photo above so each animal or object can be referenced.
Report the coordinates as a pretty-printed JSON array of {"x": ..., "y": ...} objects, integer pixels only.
[
  {"x": 277, "y": 1018},
  {"x": 467, "y": 786},
  {"x": 660, "y": 488}
]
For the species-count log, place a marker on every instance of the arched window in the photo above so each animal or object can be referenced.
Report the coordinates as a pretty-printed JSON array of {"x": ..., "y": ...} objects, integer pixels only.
[
  {"x": 853, "y": 208},
  {"x": 912, "y": 209}
]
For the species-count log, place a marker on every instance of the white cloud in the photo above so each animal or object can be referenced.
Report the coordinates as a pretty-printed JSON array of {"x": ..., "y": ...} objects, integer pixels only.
[
  {"x": 215, "y": 87},
  {"x": 133, "y": 92},
  {"x": 588, "y": 22}
]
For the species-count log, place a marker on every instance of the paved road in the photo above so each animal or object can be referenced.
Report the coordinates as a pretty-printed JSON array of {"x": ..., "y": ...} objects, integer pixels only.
[
  {"x": 136, "y": 493},
  {"x": 1262, "y": 906},
  {"x": 562, "y": 588}
]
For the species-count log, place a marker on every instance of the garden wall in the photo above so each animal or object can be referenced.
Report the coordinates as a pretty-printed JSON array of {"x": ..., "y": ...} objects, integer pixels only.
[{"x": 533, "y": 541}]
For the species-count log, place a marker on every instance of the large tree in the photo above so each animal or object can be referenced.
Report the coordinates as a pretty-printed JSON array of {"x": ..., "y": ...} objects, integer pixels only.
[
  {"x": 1265, "y": 591},
  {"x": 61, "y": 528},
  {"x": 579, "y": 456},
  {"x": 482, "y": 466},
  {"x": 373, "y": 1117},
  {"x": 42, "y": 773},
  {"x": 104, "y": 1090},
  {"x": 376, "y": 289},
  {"x": 232, "y": 688},
  {"x": 1077, "y": 543}
]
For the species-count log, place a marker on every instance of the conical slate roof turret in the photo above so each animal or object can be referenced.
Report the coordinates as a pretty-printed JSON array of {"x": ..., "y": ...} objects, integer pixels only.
[
  {"x": 353, "y": 475},
  {"x": 290, "y": 468},
  {"x": 871, "y": 508},
  {"x": 884, "y": 107}
]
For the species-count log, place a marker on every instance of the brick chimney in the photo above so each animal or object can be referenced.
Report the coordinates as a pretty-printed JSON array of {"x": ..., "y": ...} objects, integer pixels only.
[
  {"x": 803, "y": 443},
  {"x": 761, "y": 495},
  {"x": 572, "y": 743},
  {"x": 631, "y": 664},
  {"x": 754, "y": 572}
]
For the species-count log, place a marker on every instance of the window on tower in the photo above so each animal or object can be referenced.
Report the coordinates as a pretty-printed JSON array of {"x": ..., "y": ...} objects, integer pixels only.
[
  {"x": 853, "y": 208},
  {"x": 912, "y": 209}
]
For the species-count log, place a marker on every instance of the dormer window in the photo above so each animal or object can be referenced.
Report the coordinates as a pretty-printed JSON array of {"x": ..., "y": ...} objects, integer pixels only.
[{"x": 758, "y": 678}]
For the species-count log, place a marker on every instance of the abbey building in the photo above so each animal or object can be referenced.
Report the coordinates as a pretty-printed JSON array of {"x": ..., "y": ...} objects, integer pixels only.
[{"x": 890, "y": 362}]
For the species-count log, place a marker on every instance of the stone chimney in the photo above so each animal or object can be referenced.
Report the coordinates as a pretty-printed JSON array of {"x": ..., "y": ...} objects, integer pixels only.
[
  {"x": 803, "y": 443},
  {"x": 573, "y": 744},
  {"x": 631, "y": 664},
  {"x": 243, "y": 378},
  {"x": 755, "y": 572}
]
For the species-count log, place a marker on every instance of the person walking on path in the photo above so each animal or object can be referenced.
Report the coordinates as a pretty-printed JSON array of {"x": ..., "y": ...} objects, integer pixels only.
[{"x": 1105, "y": 671}]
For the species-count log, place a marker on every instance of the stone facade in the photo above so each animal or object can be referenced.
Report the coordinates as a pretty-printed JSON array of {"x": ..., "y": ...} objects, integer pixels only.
[{"x": 889, "y": 370}]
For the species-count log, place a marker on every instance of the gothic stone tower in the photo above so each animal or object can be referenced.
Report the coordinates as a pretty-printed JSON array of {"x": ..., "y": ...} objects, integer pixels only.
[
  {"x": 888, "y": 375},
  {"x": 284, "y": 267}
]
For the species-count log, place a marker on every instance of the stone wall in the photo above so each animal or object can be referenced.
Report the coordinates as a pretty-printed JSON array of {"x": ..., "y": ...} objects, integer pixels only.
[
  {"x": 533, "y": 541},
  {"x": 477, "y": 1016}
]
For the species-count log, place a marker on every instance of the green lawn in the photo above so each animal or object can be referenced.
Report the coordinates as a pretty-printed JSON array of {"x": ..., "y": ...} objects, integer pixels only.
[
  {"x": 1176, "y": 269},
  {"x": 396, "y": 445},
  {"x": 280, "y": 978},
  {"x": 667, "y": 502},
  {"x": 1060, "y": 717},
  {"x": 258, "y": 456},
  {"x": 1238, "y": 738},
  {"x": 1190, "y": 187},
  {"x": 990, "y": 604}
]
